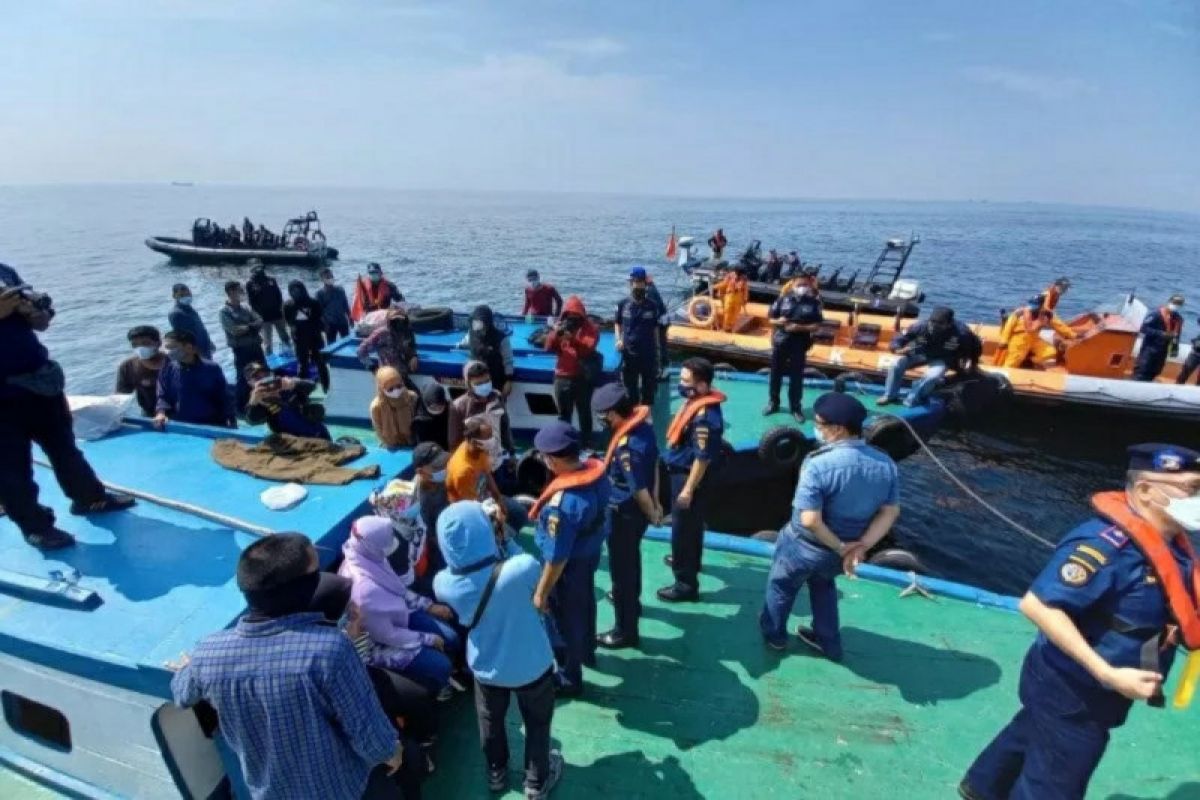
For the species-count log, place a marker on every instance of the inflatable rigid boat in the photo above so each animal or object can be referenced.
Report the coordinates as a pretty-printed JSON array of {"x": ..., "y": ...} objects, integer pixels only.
[{"x": 303, "y": 242}]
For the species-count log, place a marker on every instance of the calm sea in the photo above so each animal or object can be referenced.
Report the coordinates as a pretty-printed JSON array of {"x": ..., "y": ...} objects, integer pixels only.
[{"x": 84, "y": 245}]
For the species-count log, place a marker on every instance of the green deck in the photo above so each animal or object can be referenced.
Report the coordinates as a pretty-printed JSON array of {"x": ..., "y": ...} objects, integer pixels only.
[{"x": 705, "y": 711}]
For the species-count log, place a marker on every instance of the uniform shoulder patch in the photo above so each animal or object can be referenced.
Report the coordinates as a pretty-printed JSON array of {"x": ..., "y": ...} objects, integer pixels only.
[
  {"x": 1073, "y": 574},
  {"x": 1114, "y": 536},
  {"x": 556, "y": 500},
  {"x": 624, "y": 440},
  {"x": 552, "y": 526}
]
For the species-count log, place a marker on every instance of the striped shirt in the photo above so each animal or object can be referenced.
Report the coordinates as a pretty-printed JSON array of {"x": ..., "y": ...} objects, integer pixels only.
[{"x": 295, "y": 704}]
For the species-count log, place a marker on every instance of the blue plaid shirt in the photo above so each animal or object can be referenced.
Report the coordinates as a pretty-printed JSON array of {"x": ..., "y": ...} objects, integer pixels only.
[{"x": 295, "y": 704}]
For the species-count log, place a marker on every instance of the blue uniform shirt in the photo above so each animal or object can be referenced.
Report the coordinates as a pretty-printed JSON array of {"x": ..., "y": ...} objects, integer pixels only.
[
  {"x": 1155, "y": 336},
  {"x": 21, "y": 352},
  {"x": 639, "y": 326},
  {"x": 195, "y": 393},
  {"x": 791, "y": 308},
  {"x": 575, "y": 523},
  {"x": 701, "y": 440},
  {"x": 1104, "y": 583},
  {"x": 847, "y": 482},
  {"x": 634, "y": 465}
]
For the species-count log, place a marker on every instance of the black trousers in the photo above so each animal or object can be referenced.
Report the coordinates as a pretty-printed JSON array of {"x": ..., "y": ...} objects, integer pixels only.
[
  {"x": 625, "y": 565},
  {"x": 575, "y": 395},
  {"x": 1192, "y": 364},
  {"x": 243, "y": 356},
  {"x": 788, "y": 359},
  {"x": 687, "y": 532},
  {"x": 26, "y": 418},
  {"x": 334, "y": 332},
  {"x": 536, "y": 703},
  {"x": 405, "y": 784},
  {"x": 640, "y": 376},
  {"x": 308, "y": 351},
  {"x": 404, "y": 699}
]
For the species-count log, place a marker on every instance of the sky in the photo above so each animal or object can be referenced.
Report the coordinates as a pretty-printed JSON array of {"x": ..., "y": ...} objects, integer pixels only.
[{"x": 1078, "y": 101}]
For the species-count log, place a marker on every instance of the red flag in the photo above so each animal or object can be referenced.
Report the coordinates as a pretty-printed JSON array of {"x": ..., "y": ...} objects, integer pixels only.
[{"x": 671, "y": 248}]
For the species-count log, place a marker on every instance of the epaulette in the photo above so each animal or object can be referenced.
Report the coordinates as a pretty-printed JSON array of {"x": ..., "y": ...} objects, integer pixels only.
[
  {"x": 624, "y": 440},
  {"x": 556, "y": 499},
  {"x": 1114, "y": 536}
]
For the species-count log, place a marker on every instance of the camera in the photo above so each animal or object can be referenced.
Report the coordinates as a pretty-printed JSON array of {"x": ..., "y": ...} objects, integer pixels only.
[
  {"x": 40, "y": 301},
  {"x": 570, "y": 324}
]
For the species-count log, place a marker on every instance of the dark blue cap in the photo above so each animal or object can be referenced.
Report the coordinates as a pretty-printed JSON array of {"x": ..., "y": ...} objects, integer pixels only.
[
  {"x": 607, "y": 397},
  {"x": 840, "y": 409},
  {"x": 557, "y": 437},
  {"x": 637, "y": 274},
  {"x": 1165, "y": 458},
  {"x": 532, "y": 275}
]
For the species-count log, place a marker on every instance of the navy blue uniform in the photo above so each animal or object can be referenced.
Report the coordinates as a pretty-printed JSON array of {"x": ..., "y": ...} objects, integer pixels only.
[
  {"x": 701, "y": 441},
  {"x": 1104, "y": 583},
  {"x": 790, "y": 350},
  {"x": 1157, "y": 339},
  {"x": 572, "y": 528},
  {"x": 639, "y": 321},
  {"x": 634, "y": 467}
]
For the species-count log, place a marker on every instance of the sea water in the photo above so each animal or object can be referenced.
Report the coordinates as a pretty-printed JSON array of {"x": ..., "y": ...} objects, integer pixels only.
[{"x": 84, "y": 246}]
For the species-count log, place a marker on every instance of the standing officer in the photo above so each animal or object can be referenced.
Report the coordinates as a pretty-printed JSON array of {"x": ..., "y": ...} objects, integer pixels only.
[
  {"x": 632, "y": 461},
  {"x": 572, "y": 524},
  {"x": 1106, "y": 606},
  {"x": 1160, "y": 338},
  {"x": 693, "y": 447},
  {"x": 794, "y": 316},
  {"x": 636, "y": 329}
]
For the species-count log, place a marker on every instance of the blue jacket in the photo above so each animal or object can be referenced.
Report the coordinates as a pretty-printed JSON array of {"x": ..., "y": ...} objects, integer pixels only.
[
  {"x": 509, "y": 645},
  {"x": 575, "y": 523},
  {"x": 790, "y": 308},
  {"x": 701, "y": 440},
  {"x": 195, "y": 393},
  {"x": 956, "y": 344},
  {"x": 21, "y": 352},
  {"x": 634, "y": 466},
  {"x": 186, "y": 318},
  {"x": 639, "y": 323},
  {"x": 1156, "y": 338}
]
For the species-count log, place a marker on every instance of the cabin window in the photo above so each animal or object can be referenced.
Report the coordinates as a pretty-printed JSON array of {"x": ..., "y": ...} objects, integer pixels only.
[
  {"x": 1115, "y": 360},
  {"x": 46, "y": 725},
  {"x": 541, "y": 404}
]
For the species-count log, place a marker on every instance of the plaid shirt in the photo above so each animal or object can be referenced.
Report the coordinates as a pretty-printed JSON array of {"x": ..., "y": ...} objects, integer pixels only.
[{"x": 295, "y": 704}]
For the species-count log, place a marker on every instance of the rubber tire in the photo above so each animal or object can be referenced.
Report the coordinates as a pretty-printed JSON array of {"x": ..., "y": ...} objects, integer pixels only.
[
  {"x": 722, "y": 366},
  {"x": 840, "y": 381},
  {"x": 884, "y": 557},
  {"x": 532, "y": 475},
  {"x": 813, "y": 372},
  {"x": 783, "y": 447},
  {"x": 435, "y": 318},
  {"x": 892, "y": 437}
]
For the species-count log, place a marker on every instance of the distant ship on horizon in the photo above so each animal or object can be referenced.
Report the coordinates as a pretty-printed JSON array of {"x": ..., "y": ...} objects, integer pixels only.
[{"x": 182, "y": 183}]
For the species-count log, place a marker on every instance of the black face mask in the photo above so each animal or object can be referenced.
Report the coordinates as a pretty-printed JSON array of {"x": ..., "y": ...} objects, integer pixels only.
[{"x": 638, "y": 294}]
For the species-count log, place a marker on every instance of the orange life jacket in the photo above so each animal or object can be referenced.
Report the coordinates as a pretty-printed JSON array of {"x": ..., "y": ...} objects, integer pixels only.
[
  {"x": 1033, "y": 322},
  {"x": 1050, "y": 301},
  {"x": 593, "y": 470},
  {"x": 684, "y": 415},
  {"x": 1114, "y": 507},
  {"x": 640, "y": 414},
  {"x": 1171, "y": 322}
]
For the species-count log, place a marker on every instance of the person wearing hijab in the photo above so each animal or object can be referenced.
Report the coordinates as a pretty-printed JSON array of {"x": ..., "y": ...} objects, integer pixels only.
[
  {"x": 432, "y": 422},
  {"x": 303, "y": 315},
  {"x": 405, "y": 635},
  {"x": 394, "y": 344},
  {"x": 392, "y": 409},
  {"x": 492, "y": 346}
]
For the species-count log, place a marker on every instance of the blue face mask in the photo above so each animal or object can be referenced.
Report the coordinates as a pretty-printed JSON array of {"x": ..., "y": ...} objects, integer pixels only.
[
  {"x": 819, "y": 434},
  {"x": 439, "y": 476},
  {"x": 686, "y": 392}
]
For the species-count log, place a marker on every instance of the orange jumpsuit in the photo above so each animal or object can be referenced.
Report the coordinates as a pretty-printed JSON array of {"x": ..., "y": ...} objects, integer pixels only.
[
  {"x": 1020, "y": 335},
  {"x": 734, "y": 292}
]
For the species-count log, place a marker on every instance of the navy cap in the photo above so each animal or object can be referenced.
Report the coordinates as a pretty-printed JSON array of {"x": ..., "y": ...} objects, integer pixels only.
[
  {"x": 637, "y": 274},
  {"x": 428, "y": 454},
  {"x": 557, "y": 437},
  {"x": 532, "y": 275},
  {"x": 1165, "y": 458},
  {"x": 606, "y": 398},
  {"x": 942, "y": 315},
  {"x": 840, "y": 409}
]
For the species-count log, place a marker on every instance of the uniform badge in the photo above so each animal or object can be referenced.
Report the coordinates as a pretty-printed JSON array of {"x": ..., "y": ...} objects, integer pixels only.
[
  {"x": 552, "y": 526},
  {"x": 626, "y": 462},
  {"x": 1168, "y": 461},
  {"x": 1073, "y": 575}
]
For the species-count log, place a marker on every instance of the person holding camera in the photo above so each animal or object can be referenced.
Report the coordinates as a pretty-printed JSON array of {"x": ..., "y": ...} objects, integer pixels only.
[
  {"x": 283, "y": 404},
  {"x": 35, "y": 410},
  {"x": 573, "y": 339}
]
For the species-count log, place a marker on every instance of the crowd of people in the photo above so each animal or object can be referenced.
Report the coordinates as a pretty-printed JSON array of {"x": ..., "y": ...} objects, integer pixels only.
[{"x": 206, "y": 233}]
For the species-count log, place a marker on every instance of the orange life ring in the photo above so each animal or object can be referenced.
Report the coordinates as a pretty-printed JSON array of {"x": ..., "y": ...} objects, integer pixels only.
[{"x": 697, "y": 307}]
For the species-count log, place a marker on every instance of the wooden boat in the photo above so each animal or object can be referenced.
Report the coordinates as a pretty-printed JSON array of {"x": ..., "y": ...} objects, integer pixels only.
[
  {"x": 306, "y": 247},
  {"x": 1095, "y": 372}
]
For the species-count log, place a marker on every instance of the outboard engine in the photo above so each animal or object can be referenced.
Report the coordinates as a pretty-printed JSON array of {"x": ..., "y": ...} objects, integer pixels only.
[
  {"x": 905, "y": 289},
  {"x": 688, "y": 257}
]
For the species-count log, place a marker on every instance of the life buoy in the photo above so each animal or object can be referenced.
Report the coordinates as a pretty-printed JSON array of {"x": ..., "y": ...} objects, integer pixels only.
[{"x": 702, "y": 311}]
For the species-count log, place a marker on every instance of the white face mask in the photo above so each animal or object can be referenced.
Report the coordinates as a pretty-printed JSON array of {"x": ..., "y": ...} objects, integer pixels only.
[
  {"x": 482, "y": 389},
  {"x": 1184, "y": 510},
  {"x": 186, "y": 300},
  {"x": 477, "y": 325},
  {"x": 802, "y": 291},
  {"x": 145, "y": 353},
  {"x": 819, "y": 434},
  {"x": 439, "y": 476},
  {"x": 394, "y": 393},
  {"x": 1174, "y": 306}
]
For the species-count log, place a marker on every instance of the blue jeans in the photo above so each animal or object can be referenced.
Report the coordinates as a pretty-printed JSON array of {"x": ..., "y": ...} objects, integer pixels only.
[
  {"x": 920, "y": 391},
  {"x": 425, "y": 622},
  {"x": 796, "y": 563},
  {"x": 430, "y": 668},
  {"x": 516, "y": 515}
]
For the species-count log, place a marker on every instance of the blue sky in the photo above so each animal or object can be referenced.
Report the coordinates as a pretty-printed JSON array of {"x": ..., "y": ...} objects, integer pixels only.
[{"x": 1053, "y": 100}]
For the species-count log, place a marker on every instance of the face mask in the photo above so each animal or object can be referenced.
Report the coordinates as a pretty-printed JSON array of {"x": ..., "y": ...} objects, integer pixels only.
[
  {"x": 477, "y": 325},
  {"x": 375, "y": 278},
  {"x": 439, "y": 476},
  {"x": 602, "y": 421},
  {"x": 686, "y": 392},
  {"x": 394, "y": 393},
  {"x": 436, "y": 412},
  {"x": 638, "y": 294},
  {"x": 819, "y": 434},
  {"x": 802, "y": 291},
  {"x": 482, "y": 389},
  {"x": 534, "y": 284},
  {"x": 1185, "y": 511},
  {"x": 328, "y": 281},
  {"x": 174, "y": 353},
  {"x": 1173, "y": 306},
  {"x": 186, "y": 300},
  {"x": 145, "y": 353}
]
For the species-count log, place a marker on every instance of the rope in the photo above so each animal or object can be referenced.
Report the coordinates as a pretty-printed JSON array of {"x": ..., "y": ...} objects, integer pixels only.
[{"x": 967, "y": 489}]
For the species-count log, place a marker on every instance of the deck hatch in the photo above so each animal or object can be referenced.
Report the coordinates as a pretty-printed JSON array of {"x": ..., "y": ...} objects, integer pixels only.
[
  {"x": 40, "y": 722},
  {"x": 540, "y": 403}
]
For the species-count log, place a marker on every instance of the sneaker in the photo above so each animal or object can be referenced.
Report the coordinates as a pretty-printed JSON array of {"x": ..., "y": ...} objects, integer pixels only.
[
  {"x": 774, "y": 645},
  {"x": 886, "y": 401},
  {"x": 552, "y": 778},
  {"x": 678, "y": 593},
  {"x": 445, "y": 694},
  {"x": 109, "y": 502},
  {"x": 457, "y": 684},
  {"x": 799, "y": 416},
  {"x": 770, "y": 408},
  {"x": 50, "y": 539},
  {"x": 497, "y": 779},
  {"x": 809, "y": 638}
]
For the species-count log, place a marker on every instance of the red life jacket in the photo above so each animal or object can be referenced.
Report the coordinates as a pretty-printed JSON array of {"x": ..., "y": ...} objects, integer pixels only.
[
  {"x": 1114, "y": 507},
  {"x": 640, "y": 414},
  {"x": 1172, "y": 322},
  {"x": 593, "y": 470},
  {"x": 684, "y": 415}
]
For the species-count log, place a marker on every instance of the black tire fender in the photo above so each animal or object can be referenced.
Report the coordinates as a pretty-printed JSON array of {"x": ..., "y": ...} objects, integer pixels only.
[
  {"x": 434, "y": 318},
  {"x": 783, "y": 446}
]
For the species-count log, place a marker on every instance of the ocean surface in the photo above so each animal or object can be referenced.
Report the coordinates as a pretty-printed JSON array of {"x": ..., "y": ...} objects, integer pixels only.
[{"x": 84, "y": 246}]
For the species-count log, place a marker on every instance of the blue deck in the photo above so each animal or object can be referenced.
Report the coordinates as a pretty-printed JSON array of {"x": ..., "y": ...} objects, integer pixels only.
[
  {"x": 441, "y": 357},
  {"x": 165, "y": 578}
]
